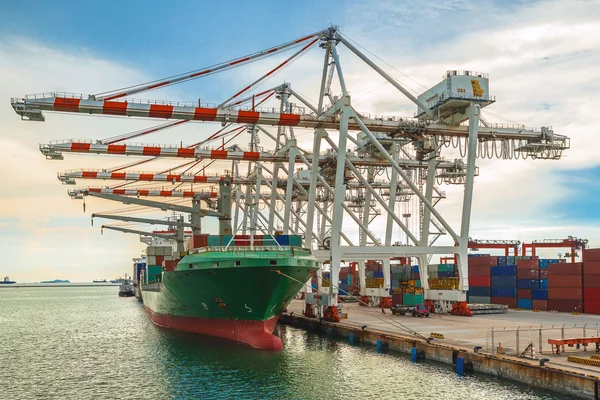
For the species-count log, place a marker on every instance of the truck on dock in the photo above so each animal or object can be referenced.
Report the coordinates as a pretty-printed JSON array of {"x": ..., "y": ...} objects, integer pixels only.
[{"x": 418, "y": 310}]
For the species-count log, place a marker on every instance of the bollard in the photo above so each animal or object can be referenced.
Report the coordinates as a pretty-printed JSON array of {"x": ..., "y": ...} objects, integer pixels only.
[
  {"x": 543, "y": 361},
  {"x": 460, "y": 366},
  {"x": 477, "y": 348},
  {"x": 413, "y": 354},
  {"x": 351, "y": 339}
]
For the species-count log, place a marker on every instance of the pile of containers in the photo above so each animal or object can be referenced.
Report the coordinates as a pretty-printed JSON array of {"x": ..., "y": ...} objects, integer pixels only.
[
  {"x": 565, "y": 287},
  {"x": 504, "y": 283},
  {"x": 528, "y": 280},
  {"x": 591, "y": 281},
  {"x": 480, "y": 282}
]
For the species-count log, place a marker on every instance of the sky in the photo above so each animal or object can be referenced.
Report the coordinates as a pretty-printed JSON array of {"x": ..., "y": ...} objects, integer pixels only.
[{"x": 541, "y": 57}]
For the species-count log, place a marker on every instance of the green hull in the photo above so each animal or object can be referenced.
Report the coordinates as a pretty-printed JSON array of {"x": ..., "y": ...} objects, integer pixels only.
[{"x": 236, "y": 284}]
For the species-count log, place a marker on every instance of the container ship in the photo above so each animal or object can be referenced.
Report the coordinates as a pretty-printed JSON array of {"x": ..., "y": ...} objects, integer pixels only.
[
  {"x": 236, "y": 291},
  {"x": 6, "y": 281}
]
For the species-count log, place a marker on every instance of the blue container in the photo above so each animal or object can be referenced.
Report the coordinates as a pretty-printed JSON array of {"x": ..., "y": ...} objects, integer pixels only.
[
  {"x": 544, "y": 284},
  {"x": 344, "y": 281},
  {"x": 524, "y": 304},
  {"x": 283, "y": 240},
  {"x": 553, "y": 261},
  {"x": 528, "y": 284},
  {"x": 502, "y": 291},
  {"x": 539, "y": 294},
  {"x": 480, "y": 291},
  {"x": 377, "y": 274},
  {"x": 314, "y": 285},
  {"x": 415, "y": 268},
  {"x": 504, "y": 281},
  {"x": 504, "y": 270},
  {"x": 544, "y": 264},
  {"x": 511, "y": 260},
  {"x": 502, "y": 260}
]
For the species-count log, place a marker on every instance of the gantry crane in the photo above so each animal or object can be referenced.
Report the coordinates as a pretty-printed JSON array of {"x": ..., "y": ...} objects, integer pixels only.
[
  {"x": 570, "y": 242},
  {"x": 406, "y": 151}
]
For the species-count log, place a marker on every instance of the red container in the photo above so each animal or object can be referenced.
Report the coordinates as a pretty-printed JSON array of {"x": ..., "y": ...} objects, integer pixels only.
[
  {"x": 480, "y": 272},
  {"x": 543, "y": 274},
  {"x": 483, "y": 261},
  {"x": 591, "y": 267},
  {"x": 397, "y": 298},
  {"x": 565, "y": 305},
  {"x": 524, "y": 293},
  {"x": 591, "y": 281},
  {"x": 555, "y": 293},
  {"x": 591, "y": 307},
  {"x": 509, "y": 301},
  {"x": 575, "y": 281},
  {"x": 159, "y": 259},
  {"x": 591, "y": 255},
  {"x": 528, "y": 264},
  {"x": 565, "y": 269},
  {"x": 480, "y": 281},
  {"x": 528, "y": 273},
  {"x": 592, "y": 294},
  {"x": 541, "y": 305}
]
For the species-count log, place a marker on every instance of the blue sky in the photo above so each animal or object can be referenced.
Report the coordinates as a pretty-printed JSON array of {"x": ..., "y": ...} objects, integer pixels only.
[{"x": 541, "y": 56}]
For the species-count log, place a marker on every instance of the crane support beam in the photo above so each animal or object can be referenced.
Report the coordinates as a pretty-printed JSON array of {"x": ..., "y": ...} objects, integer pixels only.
[
  {"x": 143, "y": 202},
  {"x": 141, "y": 233},
  {"x": 143, "y": 220},
  {"x": 398, "y": 127},
  {"x": 201, "y": 154},
  {"x": 144, "y": 193}
]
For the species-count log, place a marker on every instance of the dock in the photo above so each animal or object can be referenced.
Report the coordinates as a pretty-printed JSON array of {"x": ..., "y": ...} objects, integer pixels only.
[{"x": 496, "y": 344}]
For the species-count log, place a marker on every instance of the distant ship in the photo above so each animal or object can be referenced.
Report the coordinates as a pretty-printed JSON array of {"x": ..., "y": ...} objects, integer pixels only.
[
  {"x": 6, "y": 281},
  {"x": 56, "y": 281},
  {"x": 120, "y": 280},
  {"x": 99, "y": 281},
  {"x": 126, "y": 289}
]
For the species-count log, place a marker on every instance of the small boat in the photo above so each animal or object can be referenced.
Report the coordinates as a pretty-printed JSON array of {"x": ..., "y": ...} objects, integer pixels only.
[
  {"x": 99, "y": 281},
  {"x": 126, "y": 289}
]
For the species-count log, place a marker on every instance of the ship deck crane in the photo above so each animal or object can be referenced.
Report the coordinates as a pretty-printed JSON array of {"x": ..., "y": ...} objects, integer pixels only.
[
  {"x": 178, "y": 236},
  {"x": 571, "y": 242}
]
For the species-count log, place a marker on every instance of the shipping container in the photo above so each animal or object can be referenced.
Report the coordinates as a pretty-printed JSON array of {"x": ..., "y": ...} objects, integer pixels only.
[
  {"x": 504, "y": 270},
  {"x": 555, "y": 293},
  {"x": 565, "y": 269},
  {"x": 214, "y": 240},
  {"x": 591, "y": 267},
  {"x": 524, "y": 304},
  {"x": 504, "y": 291},
  {"x": 480, "y": 280},
  {"x": 528, "y": 284},
  {"x": 543, "y": 283},
  {"x": 591, "y": 281},
  {"x": 565, "y": 281},
  {"x": 511, "y": 302},
  {"x": 484, "y": 261},
  {"x": 479, "y": 300},
  {"x": 397, "y": 298},
  {"x": 528, "y": 263},
  {"x": 480, "y": 291},
  {"x": 524, "y": 293},
  {"x": 504, "y": 281},
  {"x": 410, "y": 299},
  {"x": 565, "y": 305},
  {"x": 377, "y": 274},
  {"x": 483, "y": 271},
  {"x": 296, "y": 240},
  {"x": 528, "y": 273},
  {"x": 591, "y": 307},
  {"x": 592, "y": 294},
  {"x": 591, "y": 255},
  {"x": 539, "y": 294},
  {"x": 541, "y": 305},
  {"x": 543, "y": 274}
]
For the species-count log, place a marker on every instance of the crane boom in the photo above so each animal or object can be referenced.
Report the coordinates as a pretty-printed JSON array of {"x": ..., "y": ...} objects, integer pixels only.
[
  {"x": 91, "y": 191},
  {"x": 141, "y": 233},
  {"x": 143, "y": 220}
]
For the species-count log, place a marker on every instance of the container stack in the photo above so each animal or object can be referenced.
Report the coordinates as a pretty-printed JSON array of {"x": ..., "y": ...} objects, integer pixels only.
[
  {"x": 565, "y": 287},
  {"x": 591, "y": 281},
  {"x": 343, "y": 284},
  {"x": 528, "y": 280},
  {"x": 480, "y": 267},
  {"x": 373, "y": 275},
  {"x": 504, "y": 283},
  {"x": 400, "y": 273}
]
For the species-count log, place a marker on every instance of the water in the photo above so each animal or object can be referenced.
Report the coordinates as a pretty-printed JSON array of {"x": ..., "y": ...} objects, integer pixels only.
[{"x": 87, "y": 343}]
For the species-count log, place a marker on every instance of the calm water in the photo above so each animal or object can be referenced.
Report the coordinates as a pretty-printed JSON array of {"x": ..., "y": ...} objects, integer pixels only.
[{"x": 84, "y": 343}]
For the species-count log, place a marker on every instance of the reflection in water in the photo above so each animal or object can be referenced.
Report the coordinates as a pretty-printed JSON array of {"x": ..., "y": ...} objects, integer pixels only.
[{"x": 87, "y": 343}]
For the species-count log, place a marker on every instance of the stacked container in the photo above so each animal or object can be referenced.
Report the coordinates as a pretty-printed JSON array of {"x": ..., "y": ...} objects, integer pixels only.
[
  {"x": 479, "y": 278},
  {"x": 343, "y": 284},
  {"x": 565, "y": 286},
  {"x": 528, "y": 280},
  {"x": 504, "y": 284},
  {"x": 591, "y": 281}
]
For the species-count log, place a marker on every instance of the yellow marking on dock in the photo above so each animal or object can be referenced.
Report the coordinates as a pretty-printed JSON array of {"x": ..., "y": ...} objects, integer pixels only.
[{"x": 585, "y": 361}]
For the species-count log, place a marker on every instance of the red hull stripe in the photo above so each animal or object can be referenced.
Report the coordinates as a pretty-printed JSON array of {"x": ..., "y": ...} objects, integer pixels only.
[
  {"x": 69, "y": 105},
  {"x": 114, "y": 108},
  {"x": 254, "y": 333}
]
